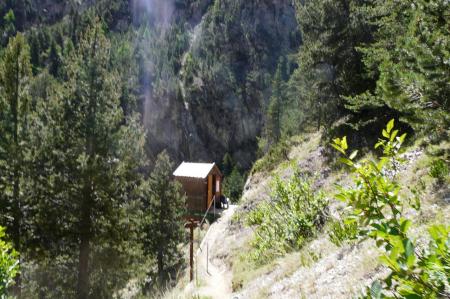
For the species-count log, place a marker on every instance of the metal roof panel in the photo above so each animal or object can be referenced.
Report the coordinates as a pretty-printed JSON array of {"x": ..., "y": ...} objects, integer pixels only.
[{"x": 194, "y": 170}]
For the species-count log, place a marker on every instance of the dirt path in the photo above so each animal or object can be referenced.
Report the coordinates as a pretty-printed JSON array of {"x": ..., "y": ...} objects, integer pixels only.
[{"x": 213, "y": 276}]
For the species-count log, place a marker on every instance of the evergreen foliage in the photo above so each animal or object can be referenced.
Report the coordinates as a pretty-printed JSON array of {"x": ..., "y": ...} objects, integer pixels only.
[
  {"x": 233, "y": 184},
  {"x": 164, "y": 210},
  {"x": 85, "y": 178},
  {"x": 15, "y": 115},
  {"x": 234, "y": 178},
  {"x": 330, "y": 67},
  {"x": 411, "y": 57},
  {"x": 273, "y": 122}
]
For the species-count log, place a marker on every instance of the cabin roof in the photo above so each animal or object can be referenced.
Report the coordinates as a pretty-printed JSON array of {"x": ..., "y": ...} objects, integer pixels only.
[{"x": 194, "y": 170}]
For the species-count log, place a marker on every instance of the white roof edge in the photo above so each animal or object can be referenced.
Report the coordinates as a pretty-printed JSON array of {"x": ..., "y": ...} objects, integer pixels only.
[{"x": 194, "y": 170}]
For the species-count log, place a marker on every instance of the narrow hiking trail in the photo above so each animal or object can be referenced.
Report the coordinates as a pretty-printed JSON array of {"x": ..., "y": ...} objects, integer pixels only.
[{"x": 213, "y": 275}]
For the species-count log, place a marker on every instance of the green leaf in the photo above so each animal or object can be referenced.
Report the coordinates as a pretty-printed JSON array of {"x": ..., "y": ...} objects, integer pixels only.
[
  {"x": 385, "y": 134},
  {"x": 409, "y": 248},
  {"x": 353, "y": 155},
  {"x": 405, "y": 225},
  {"x": 390, "y": 126},
  {"x": 346, "y": 161},
  {"x": 389, "y": 262},
  {"x": 413, "y": 296},
  {"x": 375, "y": 290},
  {"x": 338, "y": 148},
  {"x": 393, "y": 135},
  {"x": 344, "y": 143}
]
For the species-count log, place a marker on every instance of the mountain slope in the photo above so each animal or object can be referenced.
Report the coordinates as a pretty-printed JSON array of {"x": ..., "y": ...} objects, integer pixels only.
[{"x": 321, "y": 269}]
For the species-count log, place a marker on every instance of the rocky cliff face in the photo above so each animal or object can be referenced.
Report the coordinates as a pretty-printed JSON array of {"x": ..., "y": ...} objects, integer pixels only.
[
  {"x": 205, "y": 66},
  {"x": 224, "y": 80}
]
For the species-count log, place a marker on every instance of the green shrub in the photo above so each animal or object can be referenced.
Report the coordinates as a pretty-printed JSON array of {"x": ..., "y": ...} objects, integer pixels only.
[
  {"x": 377, "y": 208},
  {"x": 439, "y": 170},
  {"x": 233, "y": 184},
  {"x": 9, "y": 264},
  {"x": 274, "y": 156},
  {"x": 340, "y": 231},
  {"x": 284, "y": 223}
]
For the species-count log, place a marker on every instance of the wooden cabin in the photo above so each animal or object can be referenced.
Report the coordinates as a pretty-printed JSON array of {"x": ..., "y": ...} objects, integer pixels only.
[{"x": 200, "y": 182}]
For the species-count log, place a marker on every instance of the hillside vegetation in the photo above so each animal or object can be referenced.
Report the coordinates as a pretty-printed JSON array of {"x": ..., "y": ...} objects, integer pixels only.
[{"x": 333, "y": 257}]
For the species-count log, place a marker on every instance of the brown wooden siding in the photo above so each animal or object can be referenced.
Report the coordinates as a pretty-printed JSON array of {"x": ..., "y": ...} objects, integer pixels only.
[
  {"x": 195, "y": 192},
  {"x": 200, "y": 192}
]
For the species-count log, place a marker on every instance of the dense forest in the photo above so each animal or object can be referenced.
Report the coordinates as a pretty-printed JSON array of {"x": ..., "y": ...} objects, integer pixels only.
[{"x": 100, "y": 99}]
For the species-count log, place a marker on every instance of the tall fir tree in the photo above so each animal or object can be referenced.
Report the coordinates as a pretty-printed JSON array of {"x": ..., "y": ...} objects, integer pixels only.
[
  {"x": 15, "y": 73},
  {"x": 330, "y": 67},
  {"x": 409, "y": 60},
  {"x": 274, "y": 110},
  {"x": 89, "y": 162},
  {"x": 54, "y": 59},
  {"x": 165, "y": 211}
]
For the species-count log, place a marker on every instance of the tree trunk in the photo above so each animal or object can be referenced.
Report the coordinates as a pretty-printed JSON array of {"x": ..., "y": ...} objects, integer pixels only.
[
  {"x": 160, "y": 255},
  {"x": 85, "y": 246},
  {"x": 16, "y": 206},
  {"x": 83, "y": 259},
  {"x": 160, "y": 267},
  {"x": 16, "y": 231}
]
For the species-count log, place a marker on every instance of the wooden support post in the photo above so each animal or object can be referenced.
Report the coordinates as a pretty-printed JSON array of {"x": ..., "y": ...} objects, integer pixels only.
[{"x": 191, "y": 224}]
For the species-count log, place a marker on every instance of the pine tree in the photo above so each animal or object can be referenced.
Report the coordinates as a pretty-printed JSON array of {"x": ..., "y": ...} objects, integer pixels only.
[
  {"x": 330, "y": 67},
  {"x": 410, "y": 61},
  {"x": 233, "y": 184},
  {"x": 9, "y": 28},
  {"x": 273, "y": 124},
  {"x": 164, "y": 210},
  {"x": 54, "y": 59},
  {"x": 15, "y": 71},
  {"x": 227, "y": 164},
  {"x": 88, "y": 175},
  {"x": 34, "y": 51},
  {"x": 105, "y": 173}
]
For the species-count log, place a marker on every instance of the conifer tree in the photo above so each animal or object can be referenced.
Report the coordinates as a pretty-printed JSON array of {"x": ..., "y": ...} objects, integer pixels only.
[
  {"x": 89, "y": 162},
  {"x": 9, "y": 28},
  {"x": 233, "y": 184},
  {"x": 164, "y": 210},
  {"x": 54, "y": 59},
  {"x": 34, "y": 51},
  {"x": 108, "y": 152},
  {"x": 227, "y": 164},
  {"x": 330, "y": 67},
  {"x": 274, "y": 108},
  {"x": 410, "y": 62},
  {"x": 15, "y": 72}
]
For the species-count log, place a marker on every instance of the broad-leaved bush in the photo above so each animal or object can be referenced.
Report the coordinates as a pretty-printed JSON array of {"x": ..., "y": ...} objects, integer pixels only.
[
  {"x": 377, "y": 207},
  {"x": 293, "y": 215},
  {"x": 9, "y": 264}
]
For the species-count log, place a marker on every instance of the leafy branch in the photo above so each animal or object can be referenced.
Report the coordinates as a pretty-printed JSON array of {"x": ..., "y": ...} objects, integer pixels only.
[{"x": 377, "y": 208}]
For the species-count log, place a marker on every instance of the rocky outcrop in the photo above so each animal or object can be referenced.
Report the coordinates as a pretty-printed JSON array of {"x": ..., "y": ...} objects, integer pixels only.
[{"x": 224, "y": 81}]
